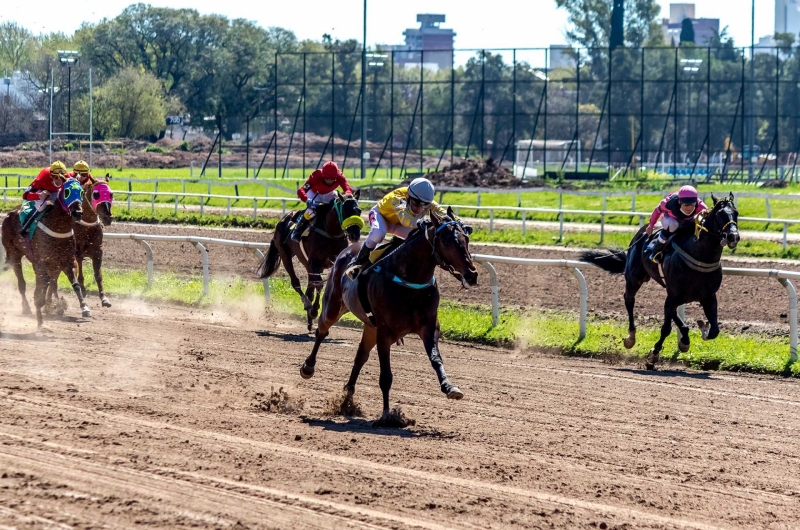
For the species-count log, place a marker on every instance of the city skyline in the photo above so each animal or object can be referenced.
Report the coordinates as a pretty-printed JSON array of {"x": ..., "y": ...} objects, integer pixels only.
[{"x": 386, "y": 22}]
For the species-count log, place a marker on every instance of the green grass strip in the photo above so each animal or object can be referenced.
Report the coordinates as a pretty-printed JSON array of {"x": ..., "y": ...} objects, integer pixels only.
[{"x": 550, "y": 330}]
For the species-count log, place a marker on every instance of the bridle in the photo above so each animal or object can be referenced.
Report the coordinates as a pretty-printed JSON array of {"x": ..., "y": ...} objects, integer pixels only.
[
  {"x": 459, "y": 226},
  {"x": 723, "y": 232}
]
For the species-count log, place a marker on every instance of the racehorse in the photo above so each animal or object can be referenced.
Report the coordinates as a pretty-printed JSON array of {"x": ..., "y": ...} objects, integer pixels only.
[
  {"x": 51, "y": 249},
  {"x": 402, "y": 297},
  {"x": 691, "y": 272},
  {"x": 97, "y": 201},
  {"x": 334, "y": 227}
]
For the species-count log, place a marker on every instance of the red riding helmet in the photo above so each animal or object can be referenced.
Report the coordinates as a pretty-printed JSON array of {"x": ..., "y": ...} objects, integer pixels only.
[{"x": 330, "y": 170}]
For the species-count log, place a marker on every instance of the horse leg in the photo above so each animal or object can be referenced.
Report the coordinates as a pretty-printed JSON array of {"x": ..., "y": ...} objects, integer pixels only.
[
  {"x": 632, "y": 287},
  {"x": 430, "y": 339},
  {"x": 332, "y": 310},
  {"x": 384, "y": 352},
  {"x": 288, "y": 265},
  {"x": 369, "y": 337},
  {"x": 97, "y": 264},
  {"x": 710, "y": 330},
  {"x": 70, "y": 273},
  {"x": 683, "y": 340},
  {"x": 670, "y": 309},
  {"x": 313, "y": 290},
  {"x": 16, "y": 264},
  {"x": 79, "y": 261},
  {"x": 40, "y": 293}
]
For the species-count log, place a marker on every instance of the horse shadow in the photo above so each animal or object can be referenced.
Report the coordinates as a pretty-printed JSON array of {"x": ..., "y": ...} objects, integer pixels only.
[
  {"x": 364, "y": 426},
  {"x": 29, "y": 337},
  {"x": 666, "y": 373},
  {"x": 295, "y": 337}
]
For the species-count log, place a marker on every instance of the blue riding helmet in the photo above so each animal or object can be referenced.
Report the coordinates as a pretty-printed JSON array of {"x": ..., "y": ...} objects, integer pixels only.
[{"x": 70, "y": 192}]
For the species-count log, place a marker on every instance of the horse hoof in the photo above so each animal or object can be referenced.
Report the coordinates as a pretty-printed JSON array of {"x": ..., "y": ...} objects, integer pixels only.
[
  {"x": 106, "y": 303},
  {"x": 306, "y": 372},
  {"x": 86, "y": 313},
  {"x": 455, "y": 393},
  {"x": 683, "y": 347},
  {"x": 629, "y": 342},
  {"x": 650, "y": 366}
]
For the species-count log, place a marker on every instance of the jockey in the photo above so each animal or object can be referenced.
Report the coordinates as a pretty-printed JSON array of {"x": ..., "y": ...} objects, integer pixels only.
[
  {"x": 80, "y": 171},
  {"x": 320, "y": 188},
  {"x": 46, "y": 183},
  {"x": 398, "y": 213},
  {"x": 674, "y": 210}
]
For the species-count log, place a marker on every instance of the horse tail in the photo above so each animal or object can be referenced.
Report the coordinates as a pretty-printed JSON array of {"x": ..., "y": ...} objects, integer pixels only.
[
  {"x": 610, "y": 261},
  {"x": 269, "y": 264}
]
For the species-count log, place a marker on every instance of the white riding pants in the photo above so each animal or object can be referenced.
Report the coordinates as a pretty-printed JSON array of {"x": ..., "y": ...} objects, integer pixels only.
[
  {"x": 379, "y": 227},
  {"x": 669, "y": 225}
]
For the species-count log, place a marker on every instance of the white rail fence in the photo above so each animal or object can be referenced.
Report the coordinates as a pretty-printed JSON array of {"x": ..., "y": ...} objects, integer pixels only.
[
  {"x": 203, "y": 198},
  {"x": 487, "y": 261}
]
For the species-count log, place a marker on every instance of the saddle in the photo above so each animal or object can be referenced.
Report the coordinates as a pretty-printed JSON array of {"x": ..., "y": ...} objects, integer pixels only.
[
  {"x": 319, "y": 219},
  {"x": 27, "y": 209}
]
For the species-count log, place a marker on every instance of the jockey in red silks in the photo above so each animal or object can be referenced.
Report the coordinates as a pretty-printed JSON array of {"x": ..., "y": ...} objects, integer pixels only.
[
  {"x": 674, "y": 210},
  {"x": 47, "y": 182},
  {"x": 80, "y": 171},
  {"x": 320, "y": 188}
]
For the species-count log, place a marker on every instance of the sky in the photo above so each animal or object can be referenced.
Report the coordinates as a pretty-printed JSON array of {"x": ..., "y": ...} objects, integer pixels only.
[{"x": 495, "y": 24}]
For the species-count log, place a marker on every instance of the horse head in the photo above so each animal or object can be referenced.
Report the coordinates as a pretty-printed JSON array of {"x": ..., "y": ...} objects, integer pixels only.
[
  {"x": 350, "y": 216},
  {"x": 722, "y": 221},
  {"x": 450, "y": 241},
  {"x": 70, "y": 197},
  {"x": 99, "y": 197}
]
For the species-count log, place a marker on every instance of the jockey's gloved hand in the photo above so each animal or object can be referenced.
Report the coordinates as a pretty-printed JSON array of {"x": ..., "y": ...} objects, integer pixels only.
[{"x": 348, "y": 196}]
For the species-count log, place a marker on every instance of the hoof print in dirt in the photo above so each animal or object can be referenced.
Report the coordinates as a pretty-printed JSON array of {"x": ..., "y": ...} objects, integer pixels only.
[{"x": 394, "y": 419}]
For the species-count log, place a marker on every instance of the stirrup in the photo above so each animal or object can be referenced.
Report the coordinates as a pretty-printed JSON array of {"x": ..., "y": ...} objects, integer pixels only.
[{"x": 656, "y": 257}]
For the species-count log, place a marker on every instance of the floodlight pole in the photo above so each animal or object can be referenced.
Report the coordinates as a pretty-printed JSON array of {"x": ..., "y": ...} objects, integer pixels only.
[{"x": 364, "y": 94}]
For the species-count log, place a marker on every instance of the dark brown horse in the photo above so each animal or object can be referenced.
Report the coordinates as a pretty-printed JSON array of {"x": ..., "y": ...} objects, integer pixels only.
[
  {"x": 335, "y": 226},
  {"x": 402, "y": 295},
  {"x": 97, "y": 199},
  {"x": 51, "y": 250},
  {"x": 691, "y": 272}
]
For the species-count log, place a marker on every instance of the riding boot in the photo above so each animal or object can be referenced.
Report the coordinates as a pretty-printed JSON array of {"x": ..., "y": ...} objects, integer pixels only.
[
  {"x": 654, "y": 248},
  {"x": 300, "y": 227},
  {"x": 361, "y": 261}
]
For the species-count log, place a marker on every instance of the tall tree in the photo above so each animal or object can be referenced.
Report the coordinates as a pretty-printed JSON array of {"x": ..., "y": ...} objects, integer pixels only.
[{"x": 16, "y": 45}]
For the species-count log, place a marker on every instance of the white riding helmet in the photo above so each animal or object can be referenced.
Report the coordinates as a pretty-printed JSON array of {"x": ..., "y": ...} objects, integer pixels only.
[{"x": 421, "y": 189}]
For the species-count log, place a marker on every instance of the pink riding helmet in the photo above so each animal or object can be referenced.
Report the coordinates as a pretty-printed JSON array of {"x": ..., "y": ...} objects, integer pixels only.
[
  {"x": 101, "y": 193},
  {"x": 687, "y": 192}
]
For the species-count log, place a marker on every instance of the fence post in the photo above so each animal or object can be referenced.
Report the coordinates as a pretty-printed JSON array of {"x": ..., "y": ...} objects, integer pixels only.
[
  {"x": 523, "y": 222},
  {"x": 785, "y": 234},
  {"x": 584, "y": 296},
  {"x": 149, "y": 251},
  {"x": 255, "y": 210},
  {"x": 495, "y": 291},
  {"x": 491, "y": 220},
  {"x": 602, "y": 227},
  {"x": 769, "y": 209},
  {"x": 204, "y": 256},
  {"x": 153, "y": 204},
  {"x": 265, "y": 281},
  {"x": 202, "y": 204},
  {"x": 228, "y": 208},
  {"x": 176, "y": 205},
  {"x": 792, "y": 318}
]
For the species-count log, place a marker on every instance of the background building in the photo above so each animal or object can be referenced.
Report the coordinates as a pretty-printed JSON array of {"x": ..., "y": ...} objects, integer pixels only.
[
  {"x": 787, "y": 16},
  {"x": 704, "y": 28},
  {"x": 435, "y": 41}
]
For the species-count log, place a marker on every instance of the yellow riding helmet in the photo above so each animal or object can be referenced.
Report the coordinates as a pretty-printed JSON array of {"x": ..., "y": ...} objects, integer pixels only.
[
  {"x": 58, "y": 167},
  {"x": 81, "y": 166}
]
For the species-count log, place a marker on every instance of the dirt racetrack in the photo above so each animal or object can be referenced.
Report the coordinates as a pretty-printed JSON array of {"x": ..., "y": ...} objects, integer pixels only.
[
  {"x": 152, "y": 416},
  {"x": 755, "y": 304}
]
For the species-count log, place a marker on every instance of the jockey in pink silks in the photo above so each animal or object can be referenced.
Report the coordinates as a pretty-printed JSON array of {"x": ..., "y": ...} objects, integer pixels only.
[{"x": 674, "y": 210}]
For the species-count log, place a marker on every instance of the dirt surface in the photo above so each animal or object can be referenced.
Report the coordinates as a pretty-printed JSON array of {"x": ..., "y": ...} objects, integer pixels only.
[
  {"x": 476, "y": 173},
  {"x": 105, "y": 426},
  {"x": 746, "y": 304}
]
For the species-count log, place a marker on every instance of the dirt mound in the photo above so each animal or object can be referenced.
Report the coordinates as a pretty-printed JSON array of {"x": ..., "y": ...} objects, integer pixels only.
[
  {"x": 775, "y": 183},
  {"x": 475, "y": 173}
]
